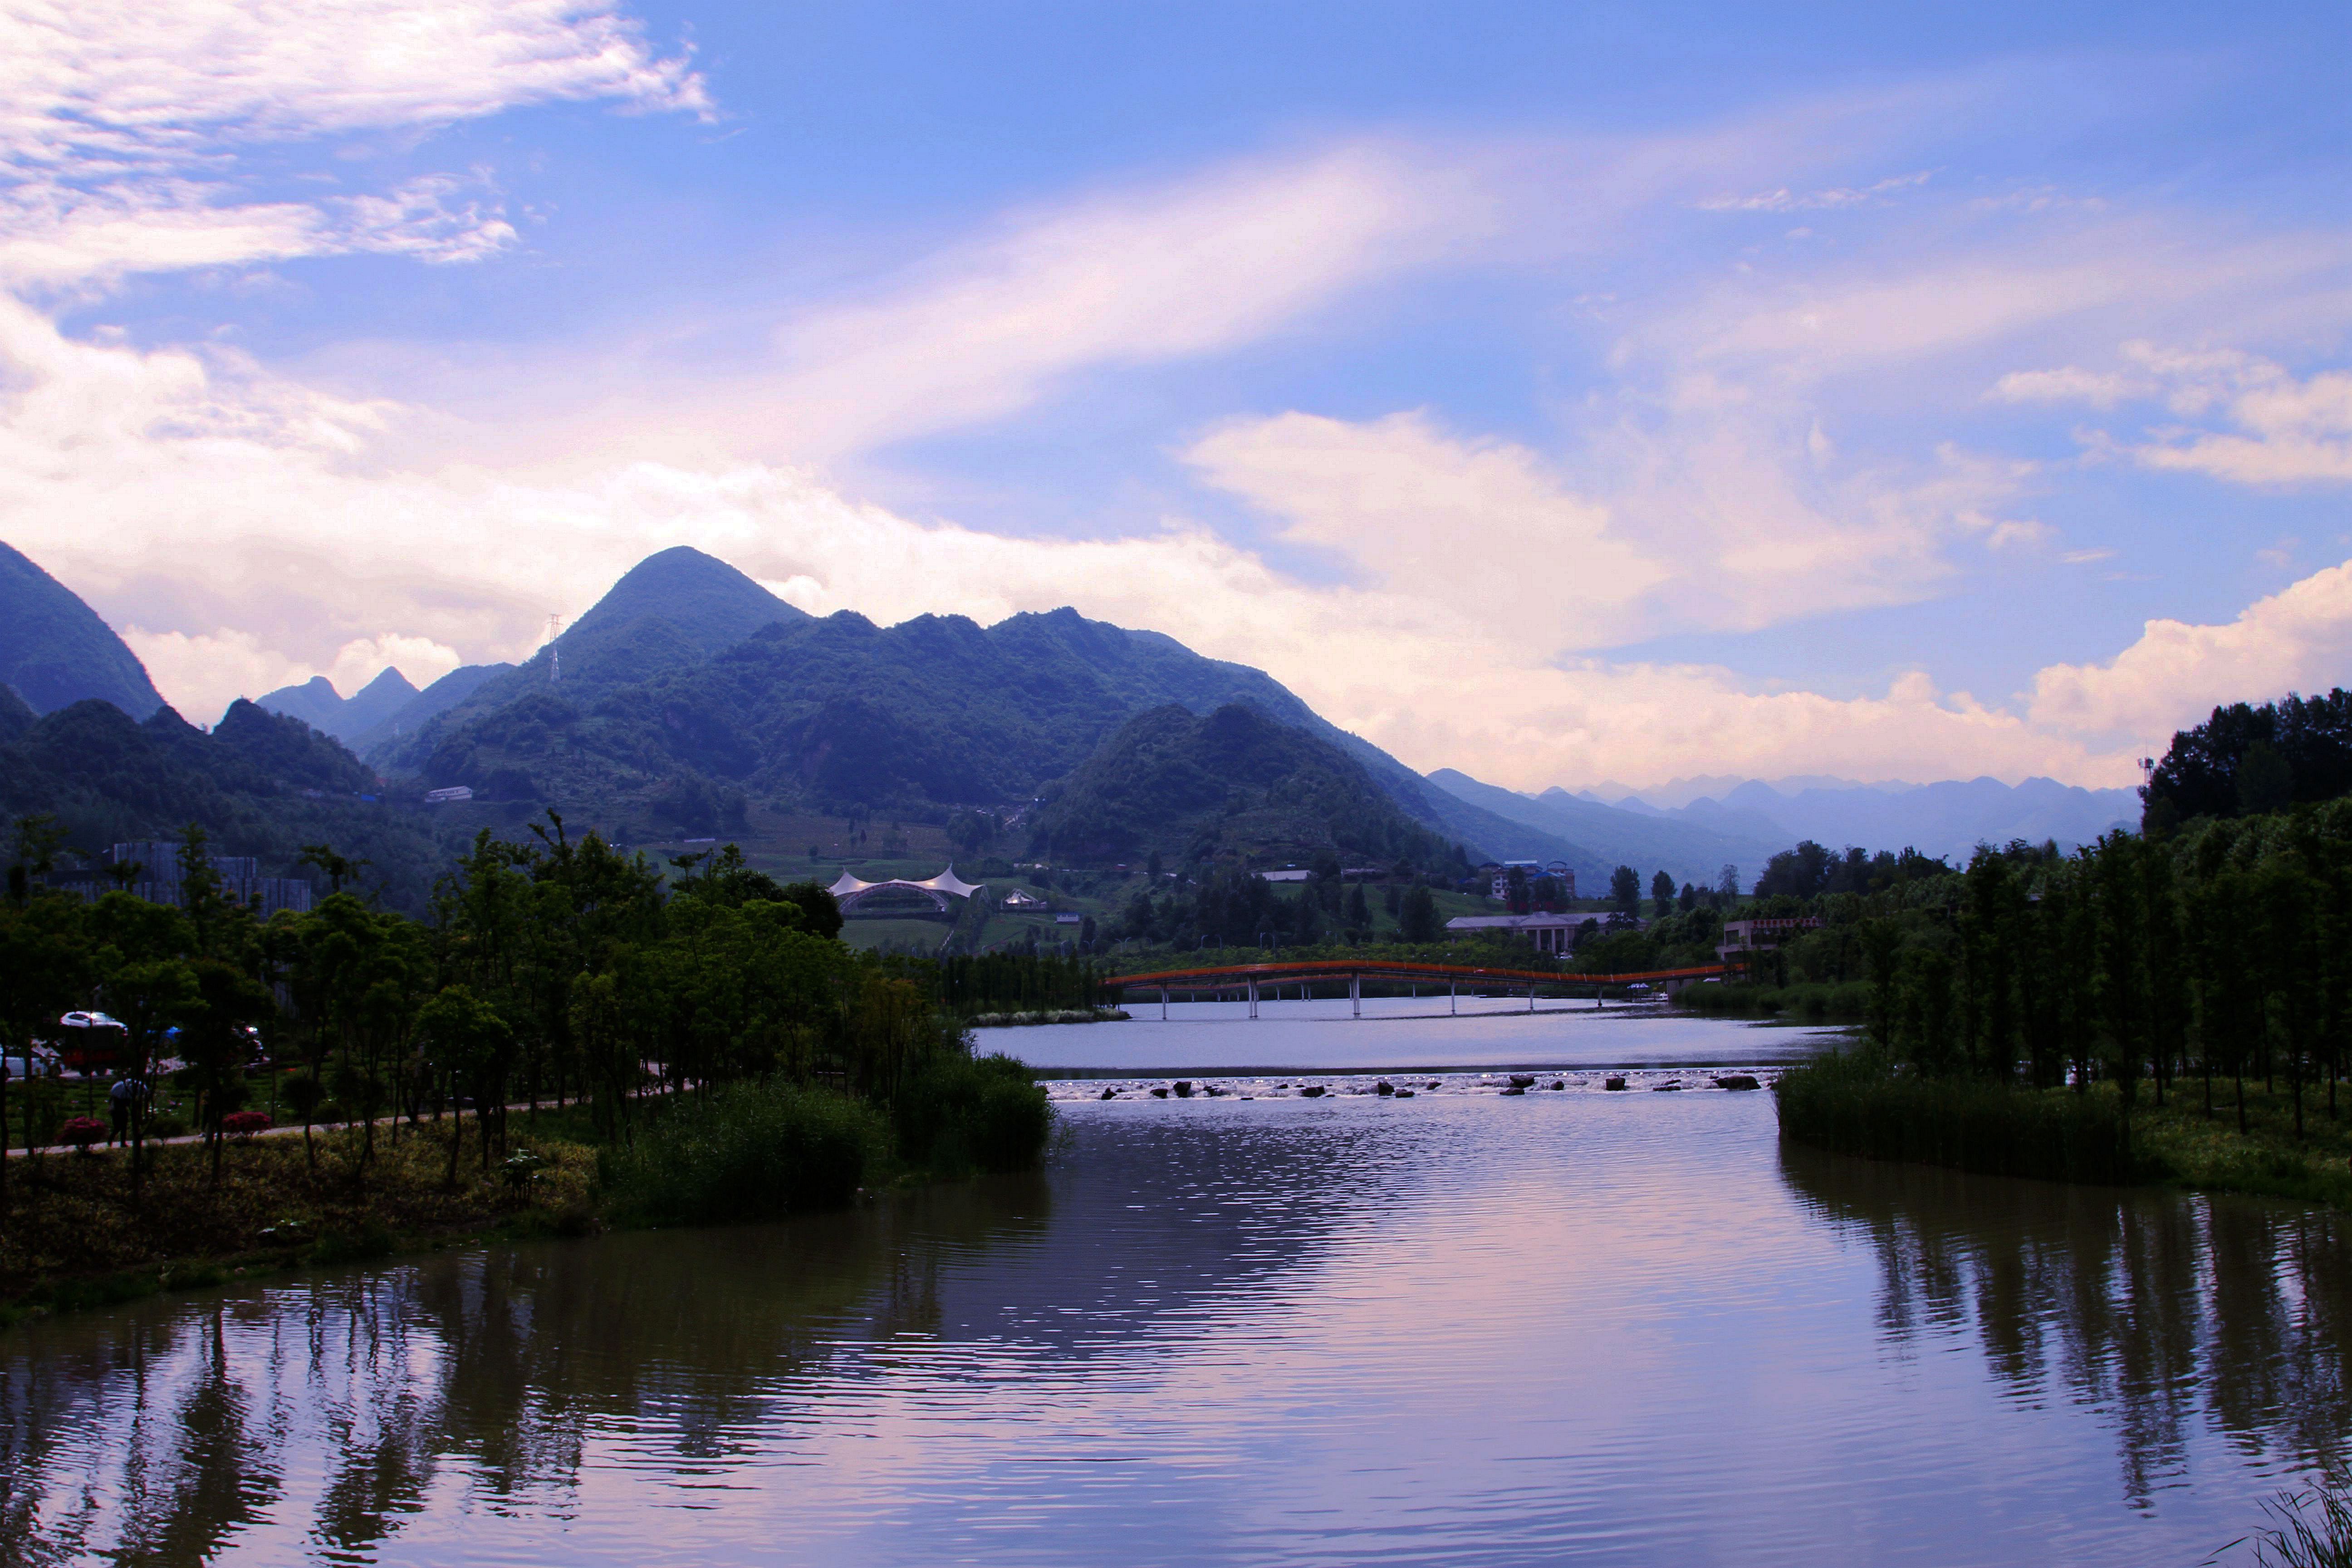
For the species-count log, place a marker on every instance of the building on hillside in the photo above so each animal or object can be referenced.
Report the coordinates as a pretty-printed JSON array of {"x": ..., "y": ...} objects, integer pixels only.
[
  {"x": 448, "y": 796},
  {"x": 1017, "y": 899},
  {"x": 1563, "y": 873},
  {"x": 1287, "y": 874},
  {"x": 1499, "y": 882}
]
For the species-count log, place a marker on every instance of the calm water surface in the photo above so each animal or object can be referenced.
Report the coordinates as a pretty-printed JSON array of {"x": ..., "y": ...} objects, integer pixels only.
[{"x": 1573, "y": 1326}]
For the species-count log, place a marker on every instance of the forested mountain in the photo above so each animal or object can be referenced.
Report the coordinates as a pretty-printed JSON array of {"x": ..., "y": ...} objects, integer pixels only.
[
  {"x": 836, "y": 714},
  {"x": 1232, "y": 785},
  {"x": 53, "y": 649},
  {"x": 259, "y": 783}
]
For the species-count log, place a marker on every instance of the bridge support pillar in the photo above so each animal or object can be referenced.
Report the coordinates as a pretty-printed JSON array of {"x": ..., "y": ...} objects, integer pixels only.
[
  {"x": 1253, "y": 998},
  {"x": 1356, "y": 995},
  {"x": 1452, "y": 997},
  {"x": 1531, "y": 995},
  {"x": 1163, "y": 1003}
]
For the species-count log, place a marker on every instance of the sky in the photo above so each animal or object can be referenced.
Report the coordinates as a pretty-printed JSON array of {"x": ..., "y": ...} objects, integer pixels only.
[{"x": 1563, "y": 394}]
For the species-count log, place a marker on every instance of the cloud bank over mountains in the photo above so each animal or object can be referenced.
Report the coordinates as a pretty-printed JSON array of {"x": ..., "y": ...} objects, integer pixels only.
[{"x": 1796, "y": 367}]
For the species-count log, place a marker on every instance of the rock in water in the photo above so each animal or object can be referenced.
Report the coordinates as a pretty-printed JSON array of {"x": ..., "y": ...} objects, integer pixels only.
[
  {"x": 1404, "y": 1094},
  {"x": 1384, "y": 1086},
  {"x": 1559, "y": 1083},
  {"x": 1521, "y": 1080},
  {"x": 1311, "y": 1091},
  {"x": 1110, "y": 1094},
  {"x": 1736, "y": 1080},
  {"x": 1183, "y": 1088},
  {"x": 1615, "y": 1083},
  {"x": 1159, "y": 1094},
  {"x": 1516, "y": 1088}
]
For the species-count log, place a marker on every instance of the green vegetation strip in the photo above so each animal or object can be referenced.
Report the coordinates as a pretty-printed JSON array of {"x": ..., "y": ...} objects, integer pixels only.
[{"x": 1855, "y": 1103}]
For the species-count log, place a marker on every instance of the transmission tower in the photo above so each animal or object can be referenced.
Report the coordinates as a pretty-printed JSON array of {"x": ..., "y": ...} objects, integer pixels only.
[{"x": 554, "y": 651}]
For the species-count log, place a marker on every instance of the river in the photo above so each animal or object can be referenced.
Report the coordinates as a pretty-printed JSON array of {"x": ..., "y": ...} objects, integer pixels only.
[{"x": 1467, "y": 1328}]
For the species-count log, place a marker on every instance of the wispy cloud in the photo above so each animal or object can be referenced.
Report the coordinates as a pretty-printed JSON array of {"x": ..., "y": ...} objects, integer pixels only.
[
  {"x": 121, "y": 123},
  {"x": 1784, "y": 200}
]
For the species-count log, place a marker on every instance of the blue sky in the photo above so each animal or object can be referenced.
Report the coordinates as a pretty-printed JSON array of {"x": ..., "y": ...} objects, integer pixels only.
[{"x": 1561, "y": 394}]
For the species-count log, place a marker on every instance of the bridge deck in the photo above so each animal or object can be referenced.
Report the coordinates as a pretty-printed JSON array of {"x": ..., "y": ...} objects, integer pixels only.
[{"x": 1227, "y": 976}]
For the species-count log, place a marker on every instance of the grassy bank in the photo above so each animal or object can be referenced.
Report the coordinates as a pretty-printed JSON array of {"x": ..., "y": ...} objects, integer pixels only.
[
  {"x": 1853, "y": 1104},
  {"x": 1814, "y": 1002},
  {"x": 76, "y": 1232}
]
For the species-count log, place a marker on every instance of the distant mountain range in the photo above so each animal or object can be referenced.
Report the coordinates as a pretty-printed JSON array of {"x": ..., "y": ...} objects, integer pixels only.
[
  {"x": 689, "y": 686},
  {"x": 1749, "y": 820},
  {"x": 383, "y": 710}
]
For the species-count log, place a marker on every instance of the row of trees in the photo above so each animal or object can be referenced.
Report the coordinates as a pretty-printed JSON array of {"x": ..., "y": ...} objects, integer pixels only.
[
  {"x": 550, "y": 968},
  {"x": 2217, "y": 950}
]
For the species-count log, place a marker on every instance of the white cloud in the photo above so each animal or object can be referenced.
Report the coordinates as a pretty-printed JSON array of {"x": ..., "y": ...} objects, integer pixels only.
[
  {"x": 2286, "y": 431},
  {"x": 2297, "y": 639},
  {"x": 980, "y": 329},
  {"x": 120, "y": 84},
  {"x": 120, "y": 121},
  {"x": 1425, "y": 514}
]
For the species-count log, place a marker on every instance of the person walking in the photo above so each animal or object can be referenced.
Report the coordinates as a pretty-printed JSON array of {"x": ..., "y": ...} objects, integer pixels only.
[{"x": 123, "y": 1103}]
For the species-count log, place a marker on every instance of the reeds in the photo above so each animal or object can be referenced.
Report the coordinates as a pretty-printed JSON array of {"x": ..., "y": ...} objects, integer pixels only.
[{"x": 1854, "y": 1104}]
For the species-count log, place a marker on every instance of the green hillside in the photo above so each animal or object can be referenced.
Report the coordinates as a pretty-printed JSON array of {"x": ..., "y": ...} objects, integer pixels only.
[
  {"x": 1232, "y": 785},
  {"x": 259, "y": 783},
  {"x": 53, "y": 649}
]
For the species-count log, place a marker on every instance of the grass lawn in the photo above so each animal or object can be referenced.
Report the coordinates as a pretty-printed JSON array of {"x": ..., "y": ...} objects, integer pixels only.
[{"x": 2211, "y": 1155}]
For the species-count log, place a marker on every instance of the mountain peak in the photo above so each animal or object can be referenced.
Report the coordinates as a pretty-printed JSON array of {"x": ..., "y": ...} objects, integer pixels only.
[{"x": 707, "y": 603}]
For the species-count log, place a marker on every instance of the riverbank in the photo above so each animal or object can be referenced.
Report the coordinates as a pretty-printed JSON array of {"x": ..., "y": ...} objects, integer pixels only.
[
  {"x": 77, "y": 1232},
  {"x": 1848, "y": 1003},
  {"x": 1849, "y": 1104}
]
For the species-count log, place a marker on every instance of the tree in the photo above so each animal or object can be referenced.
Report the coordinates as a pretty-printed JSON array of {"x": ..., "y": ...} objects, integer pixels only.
[
  {"x": 1626, "y": 891},
  {"x": 466, "y": 1040},
  {"x": 216, "y": 1041},
  {"x": 1417, "y": 916},
  {"x": 1360, "y": 909},
  {"x": 1727, "y": 884},
  {"x": 1516, "y": 895},
  {"x": 1662, "y": 895}
]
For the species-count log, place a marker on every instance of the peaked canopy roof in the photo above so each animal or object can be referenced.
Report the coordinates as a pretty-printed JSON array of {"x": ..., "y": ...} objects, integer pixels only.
[{"x": 947, "y": 882}]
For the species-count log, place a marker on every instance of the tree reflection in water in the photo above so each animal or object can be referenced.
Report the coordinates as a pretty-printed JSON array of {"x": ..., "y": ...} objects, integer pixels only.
[
  {"x": 343, "y": 1402},
  {"x": 2165, "y": 1313}
]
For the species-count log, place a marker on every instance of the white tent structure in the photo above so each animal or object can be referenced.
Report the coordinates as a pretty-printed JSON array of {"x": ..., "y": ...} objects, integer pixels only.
[{"x": 848, "y": 892}]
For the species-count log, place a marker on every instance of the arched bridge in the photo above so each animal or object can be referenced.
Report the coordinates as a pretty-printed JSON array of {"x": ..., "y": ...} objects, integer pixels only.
[{"x": 1247, "y": 979}]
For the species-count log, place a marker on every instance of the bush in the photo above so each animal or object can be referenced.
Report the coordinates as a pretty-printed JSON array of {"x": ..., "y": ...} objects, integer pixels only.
[
  {"x": 958, "y": 1113},
  {"x": 748, "y": 1152},
  {"x": 1853, "y": 1104},
  {"x": 167, "y": 1126}
]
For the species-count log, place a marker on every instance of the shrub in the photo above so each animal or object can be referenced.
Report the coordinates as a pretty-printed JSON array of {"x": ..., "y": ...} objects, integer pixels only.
[
  {"x": 244, "y": 1124},
  {"x": 748, "y": 1152},
  {"x": 167, "y": 1125},
  {"x": 81, "y": 1132},
  {"x": 958, "y": 1113}
]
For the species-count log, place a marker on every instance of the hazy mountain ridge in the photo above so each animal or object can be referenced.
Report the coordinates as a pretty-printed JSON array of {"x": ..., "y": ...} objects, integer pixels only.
[
  {"x": 1604, "y": 836},
  {"x": 1751, "y": 819},
  {"x": 318, "y": 704}
]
